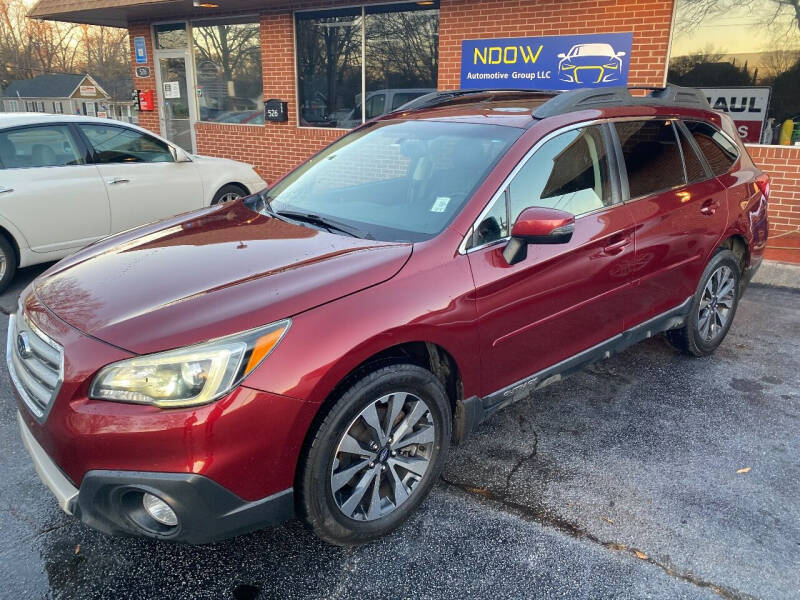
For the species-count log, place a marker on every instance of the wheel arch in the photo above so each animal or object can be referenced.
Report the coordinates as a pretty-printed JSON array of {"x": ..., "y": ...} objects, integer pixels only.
[
  {"x": 428, "y": 355},
  {"x": 13, "y": 241},
  {"x": 737, "y": 244}
]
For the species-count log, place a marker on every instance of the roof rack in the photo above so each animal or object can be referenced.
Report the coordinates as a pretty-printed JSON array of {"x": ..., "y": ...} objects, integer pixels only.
[
  {"x": 443, "y": 97},
  {"x": 584, "y": 99}
]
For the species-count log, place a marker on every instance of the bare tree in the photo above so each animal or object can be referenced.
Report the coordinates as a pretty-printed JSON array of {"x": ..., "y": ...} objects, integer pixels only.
[
  {"x": 29, "y": 47},
  {"x": 106, "y": 52},
  {"x": 694, "y": 12},
  {"x": 779, "y": 61},
  {"x": 402, "y": 47}
]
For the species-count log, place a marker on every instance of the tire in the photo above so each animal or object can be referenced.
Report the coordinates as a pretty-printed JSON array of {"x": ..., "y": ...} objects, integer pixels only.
[
  {"x": 8, "y": 263},
  {"x": 701, "y": 336},
  {"x": 228, "y": 193},
  {"x": 332, "y": 476}
]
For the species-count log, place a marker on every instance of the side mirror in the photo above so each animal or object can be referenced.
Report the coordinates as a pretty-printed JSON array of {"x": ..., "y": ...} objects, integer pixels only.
[
  {"x": 179, "y": 154},
  {"x": 620, "y": 54},
  {"x": 538, "y": 225},
  {"x": 561, "y": 55}
]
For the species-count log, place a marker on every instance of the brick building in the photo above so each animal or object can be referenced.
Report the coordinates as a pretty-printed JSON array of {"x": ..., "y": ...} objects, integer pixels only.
[{"x": 213, "y": 64}]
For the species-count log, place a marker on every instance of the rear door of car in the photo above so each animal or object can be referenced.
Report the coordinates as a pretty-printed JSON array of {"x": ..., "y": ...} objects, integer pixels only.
[
  {"x": 143, "y": 180},
  {"x": 48, "y": 188},
  {"x": 680, "y": 211},
  {"x": 562, "y": 298}
]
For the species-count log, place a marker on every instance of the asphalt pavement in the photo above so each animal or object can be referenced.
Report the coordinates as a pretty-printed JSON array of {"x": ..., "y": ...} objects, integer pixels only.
[{"x": 649, "y": 475}]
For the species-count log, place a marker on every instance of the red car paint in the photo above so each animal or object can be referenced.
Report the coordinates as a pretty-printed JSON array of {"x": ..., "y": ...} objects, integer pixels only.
[{"x": 226, "y": 269}]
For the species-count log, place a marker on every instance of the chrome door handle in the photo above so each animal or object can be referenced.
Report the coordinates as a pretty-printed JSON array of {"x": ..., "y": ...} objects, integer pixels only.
[
  {"x": 115, "y": 180},
  {"x": 5, "y": 190}
]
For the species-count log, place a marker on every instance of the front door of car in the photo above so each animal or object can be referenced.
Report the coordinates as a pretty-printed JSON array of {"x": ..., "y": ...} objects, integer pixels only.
[
  {"x": 562, "y": 298},
  {"x": 680, "y": 209},
  {"x": 143, "y": 180},
  {"x": 47, "y": 189}
]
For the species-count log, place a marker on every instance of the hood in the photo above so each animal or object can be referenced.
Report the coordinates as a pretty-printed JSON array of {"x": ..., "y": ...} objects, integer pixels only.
[
  {"x": 201, "y": 158},
  {"x": 212, "y": 273}
]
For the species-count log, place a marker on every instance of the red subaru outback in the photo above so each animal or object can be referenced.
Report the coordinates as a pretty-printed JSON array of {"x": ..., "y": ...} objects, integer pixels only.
[{"x": 315, "y": 349}]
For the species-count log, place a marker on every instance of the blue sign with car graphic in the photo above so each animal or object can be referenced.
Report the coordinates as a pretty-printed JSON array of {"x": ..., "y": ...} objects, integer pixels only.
[{"x": 562, "y": 62}]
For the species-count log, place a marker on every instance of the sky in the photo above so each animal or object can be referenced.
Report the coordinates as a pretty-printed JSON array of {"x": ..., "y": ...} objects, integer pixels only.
[{"x": 739, "y": 30}]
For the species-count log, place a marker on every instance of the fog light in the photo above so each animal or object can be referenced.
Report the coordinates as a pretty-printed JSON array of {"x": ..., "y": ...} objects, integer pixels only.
[{"x": 159, "y": 510}]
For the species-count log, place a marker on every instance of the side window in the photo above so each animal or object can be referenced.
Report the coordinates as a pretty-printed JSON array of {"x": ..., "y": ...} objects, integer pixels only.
[
  {"x": 375, "y": 105},
  {"x": 695, "y": 171},
  {"x": 718, "y": 150},
  {"x": 401, "y": 98},
  {"x": 51, "y": 146},
  {"x": 570, "y": 172},
  {"x": 121, "y": 145},
  {"x": 493, "y": 226},
  {"x": 652, "y": 158}
]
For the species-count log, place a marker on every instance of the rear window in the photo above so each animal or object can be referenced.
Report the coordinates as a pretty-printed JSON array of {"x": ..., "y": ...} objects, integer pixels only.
[
  {"x": 652, "y": 156},
  {"x": 719, "y": 151}
]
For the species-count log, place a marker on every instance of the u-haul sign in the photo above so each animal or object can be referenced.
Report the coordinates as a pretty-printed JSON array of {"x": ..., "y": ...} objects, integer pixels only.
[{"x": 747, "y": 106}]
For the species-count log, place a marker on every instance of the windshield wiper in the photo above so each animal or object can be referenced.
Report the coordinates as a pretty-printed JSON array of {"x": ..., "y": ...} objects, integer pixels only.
[{"x": 326, "y": 222}]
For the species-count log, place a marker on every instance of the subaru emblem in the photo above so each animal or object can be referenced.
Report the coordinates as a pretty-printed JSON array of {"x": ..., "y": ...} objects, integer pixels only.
[{"x": 24, "y": 345}]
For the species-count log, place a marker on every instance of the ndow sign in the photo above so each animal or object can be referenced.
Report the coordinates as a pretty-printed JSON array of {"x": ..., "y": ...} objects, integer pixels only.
[{"x": 562, "y": 62}]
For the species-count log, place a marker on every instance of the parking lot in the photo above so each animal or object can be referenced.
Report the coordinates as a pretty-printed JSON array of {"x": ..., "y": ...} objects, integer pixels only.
[{"x": 650, "y": 475}]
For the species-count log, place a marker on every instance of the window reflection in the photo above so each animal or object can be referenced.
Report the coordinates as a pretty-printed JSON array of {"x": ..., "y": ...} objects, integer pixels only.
[
  {"x": 228, "y": 72},
  {"x": 329, "y": 67},
  {"x": 401, "y": 61},
  {"x": 742, "y": 44},
  {"x": 171, "y": 36}
]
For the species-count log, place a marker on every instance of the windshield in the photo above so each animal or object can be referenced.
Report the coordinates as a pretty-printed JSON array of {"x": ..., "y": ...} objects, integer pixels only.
[
  {"x": 594, "y": 50},
  {"x": 394, "y": 181}
]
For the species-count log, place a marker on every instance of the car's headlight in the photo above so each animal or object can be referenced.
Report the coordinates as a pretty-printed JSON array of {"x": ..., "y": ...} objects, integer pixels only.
[{"x": 188, "y": 376}]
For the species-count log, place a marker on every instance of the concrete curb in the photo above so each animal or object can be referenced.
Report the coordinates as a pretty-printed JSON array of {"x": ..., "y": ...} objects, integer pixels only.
[{"x": 778, "y": 274}]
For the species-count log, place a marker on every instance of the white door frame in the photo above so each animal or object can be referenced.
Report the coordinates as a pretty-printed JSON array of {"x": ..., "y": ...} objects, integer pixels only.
[{"x": 187, "y": 55}]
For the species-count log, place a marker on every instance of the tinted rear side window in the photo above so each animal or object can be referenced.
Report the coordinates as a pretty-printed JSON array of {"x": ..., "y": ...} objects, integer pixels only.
[
  {"x": 695, "y": 171},
  {"x": 652, "y": 157},
  {"x": 718, "y": 150}
]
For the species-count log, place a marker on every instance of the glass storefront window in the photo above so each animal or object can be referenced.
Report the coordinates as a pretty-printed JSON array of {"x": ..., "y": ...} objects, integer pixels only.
[
  {"x": 329, "y": 67},
  {"x": 171, "y": 36},
  {"x": 400, "y": 58},
  {"x": 228, "y": 71},
  {"x": 745, "y": 54}
]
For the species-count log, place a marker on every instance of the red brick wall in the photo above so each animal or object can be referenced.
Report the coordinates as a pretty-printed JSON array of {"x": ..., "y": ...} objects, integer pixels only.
[
  {"x": 649, "y": 20},
  {"x": 277, "y": 147},
  {"x": 146, "y": 119},
  {"x": 783, "y": 167}
]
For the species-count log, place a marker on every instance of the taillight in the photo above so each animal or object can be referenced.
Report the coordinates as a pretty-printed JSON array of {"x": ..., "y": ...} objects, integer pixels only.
[{"x": 762, "y": 181}]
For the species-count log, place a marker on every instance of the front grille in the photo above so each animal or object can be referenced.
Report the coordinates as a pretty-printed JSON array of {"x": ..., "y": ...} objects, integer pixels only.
[{"x": 35, "y": 363}]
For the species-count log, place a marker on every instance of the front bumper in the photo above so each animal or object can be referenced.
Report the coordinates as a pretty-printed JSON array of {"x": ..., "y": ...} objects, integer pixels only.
[
  {"x": 49, "y": 473},
  {"x": 110, "y": 501}
]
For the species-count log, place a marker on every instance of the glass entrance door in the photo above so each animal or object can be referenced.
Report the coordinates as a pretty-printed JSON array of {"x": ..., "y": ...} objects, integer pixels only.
[{"x": 177, "y": 109}]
